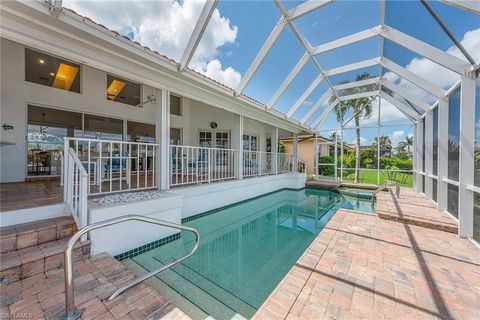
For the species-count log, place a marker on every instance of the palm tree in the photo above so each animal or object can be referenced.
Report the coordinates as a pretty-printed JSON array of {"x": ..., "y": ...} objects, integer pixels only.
[
  {"x": 409, "y": 143},
  {"x": 362, "y": 108},
  {"x": 384, "y": 142},
  {"x": 401, "y": 148}
]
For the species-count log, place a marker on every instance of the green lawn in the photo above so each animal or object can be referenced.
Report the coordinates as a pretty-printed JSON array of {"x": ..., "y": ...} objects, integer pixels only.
[{"x": 369, "y": 176}]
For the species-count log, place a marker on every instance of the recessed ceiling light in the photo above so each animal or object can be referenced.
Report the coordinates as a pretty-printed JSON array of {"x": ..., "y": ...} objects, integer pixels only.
[
  {"x": 52, "y": 74},
  {"x": 41, "y": 61}
]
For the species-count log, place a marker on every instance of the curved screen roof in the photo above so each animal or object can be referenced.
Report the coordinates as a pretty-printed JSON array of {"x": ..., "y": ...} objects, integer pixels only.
[{"x": 301, "y": 58}]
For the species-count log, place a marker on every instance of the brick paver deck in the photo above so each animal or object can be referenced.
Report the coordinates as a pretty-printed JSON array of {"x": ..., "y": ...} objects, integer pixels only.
[
  {"x": 43, "y": 296},
  {"x": 361, "y": 266},
  {"x": 412, "y": 208}
]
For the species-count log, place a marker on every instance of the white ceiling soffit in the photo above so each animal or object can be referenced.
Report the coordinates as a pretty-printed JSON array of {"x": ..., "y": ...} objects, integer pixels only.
[{"x": 317, "y": 105}]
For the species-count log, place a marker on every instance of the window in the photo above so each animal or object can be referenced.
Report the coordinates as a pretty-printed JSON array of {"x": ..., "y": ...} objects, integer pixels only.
[
  {"x": 175, "y": 105},
  {"x": 423, "y": 147},
  {"x": 435, "y": 143},
  {"x": 452, "y": 200},
  {"x": 250, "y": 142},
  {"x": 214, "y": 139},
  {"x": 222, "y": 140},
  {"x": 454, "y": 134},
  {"x": 176, "y": 136},
  {"x": 97, "y": 127},
  {"x": 51, "y": 71},
  {"x": 46, "y": 130},
  {"x": 205, "y": 139},
  {"x": 123, "y": 91},
  {"x": 140, "y": 132}
]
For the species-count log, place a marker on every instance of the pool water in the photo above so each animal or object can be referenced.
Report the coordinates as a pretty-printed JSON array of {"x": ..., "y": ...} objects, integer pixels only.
[{"x": 246, "y": 249}]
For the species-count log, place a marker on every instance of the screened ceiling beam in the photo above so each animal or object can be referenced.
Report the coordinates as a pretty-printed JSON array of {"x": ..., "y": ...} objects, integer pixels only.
[
  {"x": 354, "y": 66},
  {"x": 305, "y": 95},
  {"x": 55, "y": 7},
  {"x": 306, "y": 7},
  {"x": 272, "y": 38},
  {"x": 413, "y": 78},
  {"x": 325, "y": 113},
  {"x": 358, "y": 95},
  {"x": 295, "y": 71},
  {"x": 197, "y": 33},
  {"x": 406, "y": 110},
  {"x": 438, "y": 56},
  {"x": 471, "y": 6},
  {"x": 317, "y": 105},
  {"x": 359, "y": 83},
  {"x": 345, "y": 41},
  {"x": 407, "y": 96}
]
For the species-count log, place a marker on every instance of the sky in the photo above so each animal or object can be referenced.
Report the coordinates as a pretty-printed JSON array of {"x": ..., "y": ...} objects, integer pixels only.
[{"x": 238, "y": 29}]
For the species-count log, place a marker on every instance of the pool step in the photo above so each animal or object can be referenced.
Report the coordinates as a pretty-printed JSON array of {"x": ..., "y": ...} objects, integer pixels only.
[
  {"x": 190, "y": 291},
  {"x": 214, "y": 290}
]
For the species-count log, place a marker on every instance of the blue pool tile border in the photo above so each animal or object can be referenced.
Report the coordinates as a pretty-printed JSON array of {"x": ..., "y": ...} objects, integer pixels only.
[
  {"x": 147, "y": 247},
  {"x": 207, "y": 213}
]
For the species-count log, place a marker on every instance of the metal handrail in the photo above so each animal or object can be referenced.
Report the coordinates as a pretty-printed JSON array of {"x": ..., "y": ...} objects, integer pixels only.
[
  {"x": 385, "y": 185},
  {"x": 74, "y": 313}
]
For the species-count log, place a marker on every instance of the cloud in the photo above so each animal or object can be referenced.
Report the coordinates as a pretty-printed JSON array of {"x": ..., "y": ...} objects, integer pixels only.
[
  {"x": 435, "y": 73},
  {"x": 363, "y": 141},
  {"x": 166, "y": 26},
  {"x": 396, "y": 137}
]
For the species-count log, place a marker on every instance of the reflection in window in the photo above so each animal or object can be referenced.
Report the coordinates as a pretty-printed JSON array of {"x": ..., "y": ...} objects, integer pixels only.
[
  {"x": 175, "y": 105},
  {"x": 250, "y": 143},
  {"x": 97, "y": 127},
  {"x": 477, "y": 138},
  {"x": 423, "y": 146},
  {"x": 435, "y": 143},
  {"x": 46, "y": 130},
  {"x": 176, "y": 136},
  {"x": 452, "y": 200},
  {"x": 454, "y": 134},
  {"x": 123, "y": 91},
  {"x": 476, "y": 216},
  {"x": 140, "y": 132},
  {"x": 51, "y": 71}
]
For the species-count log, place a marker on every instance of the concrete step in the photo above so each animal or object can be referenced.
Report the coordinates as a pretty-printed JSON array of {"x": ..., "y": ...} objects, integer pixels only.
[
  {"x": 19, "y": 264},
  {"x": 31, "y": 234},
  {"x": 203, "y": 300}
]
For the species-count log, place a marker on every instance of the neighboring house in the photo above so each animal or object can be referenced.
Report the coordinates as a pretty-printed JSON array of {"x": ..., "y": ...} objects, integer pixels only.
[{"x": 306, "y": 149}]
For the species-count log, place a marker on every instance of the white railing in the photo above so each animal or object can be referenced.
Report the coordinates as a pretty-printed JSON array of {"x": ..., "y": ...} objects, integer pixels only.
[
  {"x": 76, "y": 188},
  {"x": 191, "y": 165},
  {"x": 284, "y": 163},
  {"x": 115, "y": 166},
  {"x": 257, "y": 163}
]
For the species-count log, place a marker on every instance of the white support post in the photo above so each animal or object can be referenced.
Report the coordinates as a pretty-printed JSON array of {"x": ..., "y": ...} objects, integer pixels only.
[
  {"x": 345, "y": 41},
  {"x": 442, "y": 189},
  {"x": 275, "y": 150},
  {"x": 240, "y": 148},
  {"x": 415, "y": 160},
  {"x": 406, "y": 95},
  {"x": 428, "y": 155},
  {"x": 466, "y": 158},
  {"x": 419, "y": 158},
  {"x": 162, "y": 132},
  {"x": 295, "y": 152},
  {"x": 353, "y": 66}
]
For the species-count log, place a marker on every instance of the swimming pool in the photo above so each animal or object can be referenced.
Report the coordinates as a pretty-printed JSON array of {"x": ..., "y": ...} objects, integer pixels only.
[{"x": 245, "y": 251}]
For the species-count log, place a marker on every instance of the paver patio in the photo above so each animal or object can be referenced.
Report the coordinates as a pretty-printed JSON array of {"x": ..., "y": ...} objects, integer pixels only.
[{"x": 361, "y": 266}]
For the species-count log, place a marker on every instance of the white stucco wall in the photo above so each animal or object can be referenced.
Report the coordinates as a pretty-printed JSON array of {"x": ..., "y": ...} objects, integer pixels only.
[{"x": 17, "y": 94}]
